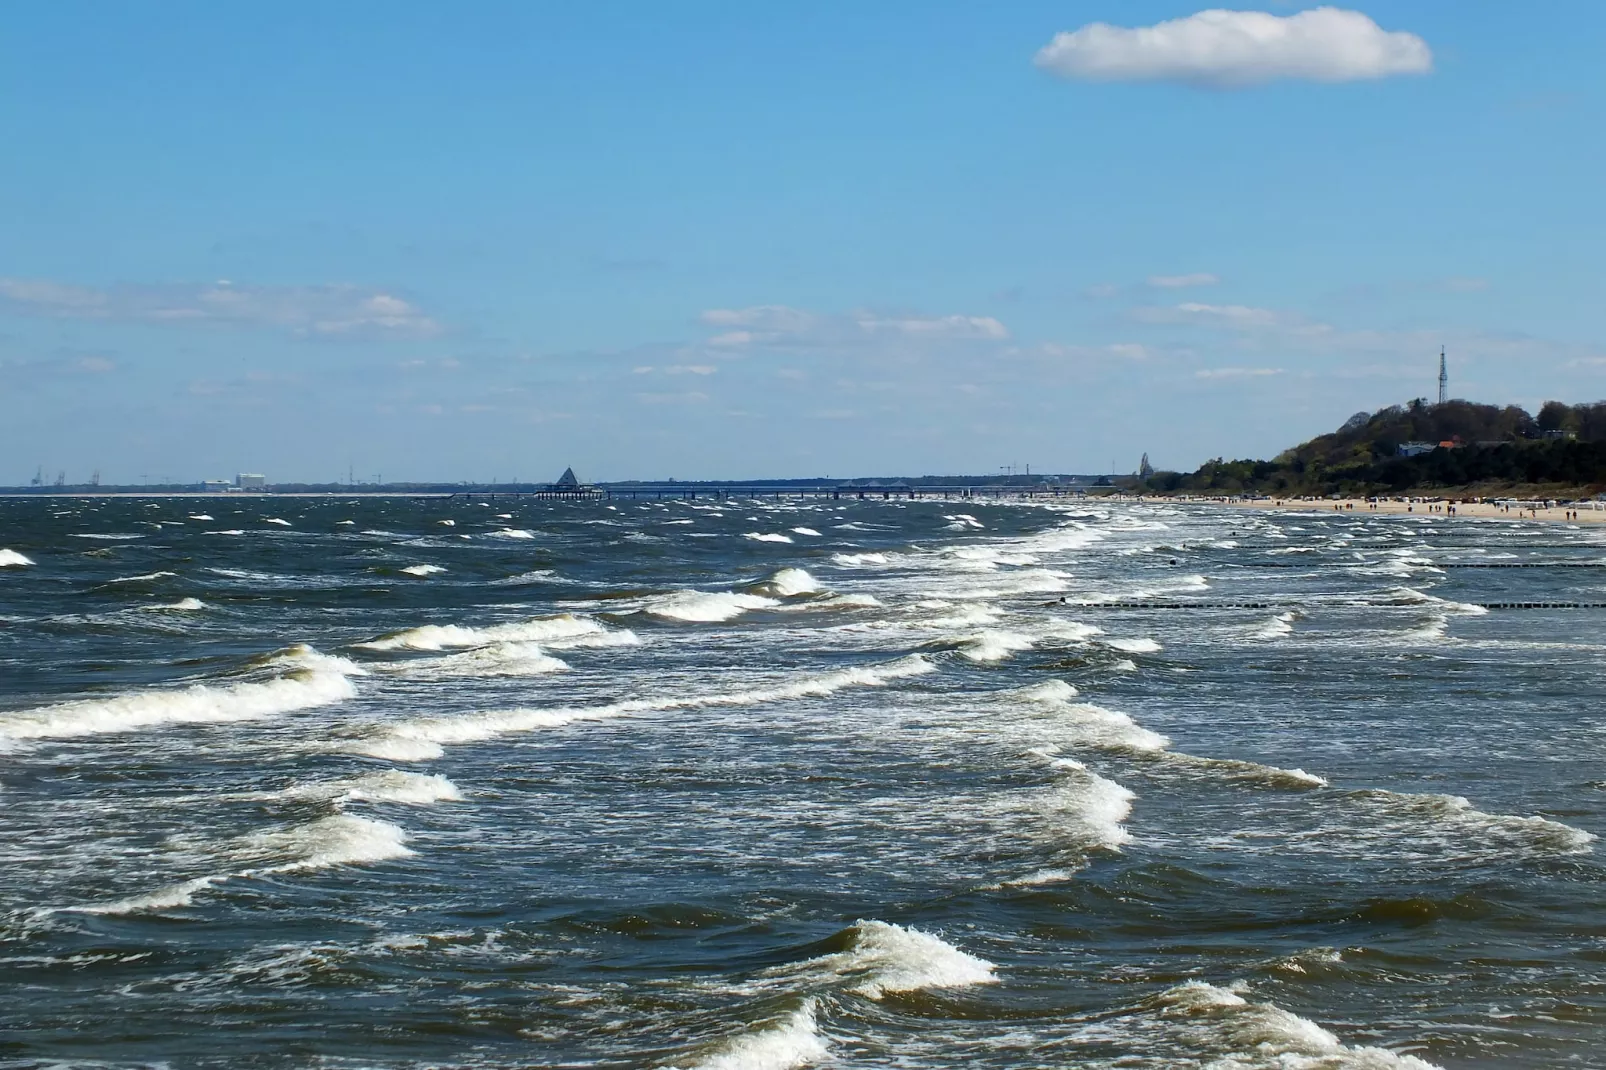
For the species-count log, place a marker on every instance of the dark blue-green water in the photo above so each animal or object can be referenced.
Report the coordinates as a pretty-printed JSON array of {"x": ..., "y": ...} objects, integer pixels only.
[{"x": 751, "y": 785}]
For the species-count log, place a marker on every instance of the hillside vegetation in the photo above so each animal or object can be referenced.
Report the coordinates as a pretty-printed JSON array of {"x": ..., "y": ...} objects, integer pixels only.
[{"x": 1489, "y": 448}]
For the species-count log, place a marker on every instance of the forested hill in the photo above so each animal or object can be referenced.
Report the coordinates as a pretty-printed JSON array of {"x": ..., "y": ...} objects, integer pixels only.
[{"x": 1471, "y": 446}]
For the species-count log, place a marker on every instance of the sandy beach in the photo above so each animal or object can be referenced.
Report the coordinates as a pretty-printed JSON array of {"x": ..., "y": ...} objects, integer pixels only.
[{"x": 1561, "y": 513}]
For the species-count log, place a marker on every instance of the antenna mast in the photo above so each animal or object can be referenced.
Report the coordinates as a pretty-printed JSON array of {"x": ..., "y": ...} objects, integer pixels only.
[{"x": 1444, "y": 378}]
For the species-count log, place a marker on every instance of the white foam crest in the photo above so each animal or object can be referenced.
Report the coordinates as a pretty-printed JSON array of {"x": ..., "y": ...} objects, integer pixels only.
[
  {"x": 992, "y": 645},
  {"x": 1089, "y": 807},
  {"x": 1457, "y": 814},
  {"x": 12, "y": 559},
  {"x": 449, "y": 636},
  {"x": 494, "y": 659},
  {"x": 613, "y": 637},
  {"x": 512, "y": 533},
  {"x": 447, "y": 523},
  {"x": 967, "y": 616},
  {"x": 769, "y": 536},
  {"x": 1072, "y": 631},
  {"x": 859, "y": 560},
  {"x": 807, "y": 531},
  {"x": 423, "y": 570},
  {"x": 533, "y": 576},
  {"x": 200, "y": 516},
  {"x": 183, "y": 605},
  {"x": 886, "y": 958},
  {"x": 706, "y": 606},
  {"x": 1048, "y": 691},
  {"x": 1277, "y": 627},
  {"x": 106, "y": 536},
  {"x": 309, "y": 679},
  {"x": 780, "y": 1045},
  {"x": 423, "y": 738},
  {"x": 145, "y": 578},
  {"x": 1020, "y": 581},
  {"x": 336, "y": 840},
  {"x": 863, "y": 601},
  {"x": 279, "y": 520},
  {"x": 790, "y": 582},
  {"x": 1252, "y": 1036},
  {"x": 1253, "y": 772},
  {"x": 1429, "y": 630},
  {"x": 173, "y": 895},
  {"x": 1133, "y": 646},
  {"x": 1089, "y": 724},
  {"x": 397, "y": 786}
]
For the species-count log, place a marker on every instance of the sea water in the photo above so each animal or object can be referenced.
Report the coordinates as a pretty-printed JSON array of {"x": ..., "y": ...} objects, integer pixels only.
[{"x": 756, "y": 784}]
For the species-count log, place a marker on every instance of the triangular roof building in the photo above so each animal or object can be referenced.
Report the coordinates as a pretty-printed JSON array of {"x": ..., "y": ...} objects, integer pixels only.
[{"x": 567, "y": 480}]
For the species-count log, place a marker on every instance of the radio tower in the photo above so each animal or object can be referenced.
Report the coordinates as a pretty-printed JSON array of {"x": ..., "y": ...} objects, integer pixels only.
[{"x": 1444, "y": 379}]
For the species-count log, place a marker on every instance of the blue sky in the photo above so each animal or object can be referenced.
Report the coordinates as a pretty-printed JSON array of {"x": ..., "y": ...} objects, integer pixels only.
[{"x": 710, "y": 240}]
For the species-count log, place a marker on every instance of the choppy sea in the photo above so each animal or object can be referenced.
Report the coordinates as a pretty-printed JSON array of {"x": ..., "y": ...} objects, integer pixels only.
[{"x": 751, "y": 785}]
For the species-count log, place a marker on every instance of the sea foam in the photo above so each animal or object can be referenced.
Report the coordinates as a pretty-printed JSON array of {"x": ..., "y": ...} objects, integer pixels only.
[
  {"x": 12, "y": 559},
  {"x": 1250, "y": 1036},
  {"x": 423, "y": 738},
  {"x": 449, "y": 636},
  {"x": 706, "y": 606},
  {"x": 882, "y": 958},
  {"x": 781, "y": 1044},
  {"x": 303, "y": 678}
]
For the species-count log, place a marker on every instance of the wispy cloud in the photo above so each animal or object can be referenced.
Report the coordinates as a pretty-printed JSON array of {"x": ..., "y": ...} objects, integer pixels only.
[
  {"x": 1193, "y": 312},
  {"x": 1230, "y": 49},
  {"x": 684, "y": 397},
  {"x": 783, "y": 326},
  {"x": 1178, "y": 282},
  {"x": 1235, "y": 373},
  {"x": 311, "y": 311}
]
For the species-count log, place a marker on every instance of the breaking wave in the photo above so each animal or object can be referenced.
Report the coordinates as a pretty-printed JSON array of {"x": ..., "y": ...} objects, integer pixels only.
[
  {"x": 423, "y": 738},
  {"x": 422, "y": 570},
  {"x": 183, "y": 605},
  {"x": 12, "y": 559},
  {"x": 1263, "y": 1036},
  {"x": 303, "y": 679},
  {"x": 495, "y": 659},
  {"x": 881, "y": 958},
  {"x": 145, "y": 578},
  {"x": 1090, "y": 808},
  {"x": 1085, "y": 724},
  {"x": 336, "y": 840},
  {"x": 448, "y": 636},
  {"x": 1453, "y": 813},
  {"x": 782, "y": 1044},
  {"x": 791, "y": 582},
  {"x": 706, "y": 606}
]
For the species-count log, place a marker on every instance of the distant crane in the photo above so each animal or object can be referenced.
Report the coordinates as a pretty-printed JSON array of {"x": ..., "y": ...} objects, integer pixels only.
[{"x": 1444, "y": 378}]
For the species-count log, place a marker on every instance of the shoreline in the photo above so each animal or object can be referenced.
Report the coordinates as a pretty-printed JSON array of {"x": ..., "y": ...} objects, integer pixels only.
[{"x": 1438, "y": 508}]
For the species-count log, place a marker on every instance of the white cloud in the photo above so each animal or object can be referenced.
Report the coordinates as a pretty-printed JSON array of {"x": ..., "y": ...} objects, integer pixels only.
[
  {"x": 690, "y": 369},
  {"x": 1228, "y": 49},
  {"x": 1239, "y": 316},
  {"x": 687, "y": 397},
  {"x": 327, "y": 311},
  {"x": 1178, "y": 282},
  {"x": 1235, "y": 373},
  {"x": 980, "y": 327},
  {"x": 780, "y": 325},
  {"x": 1059, "y": 351}
]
